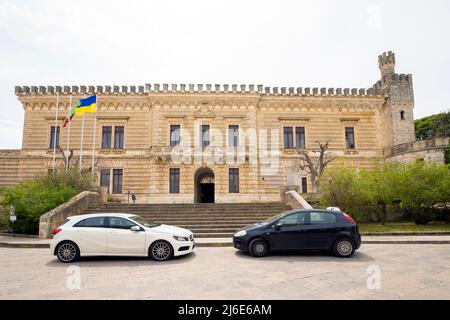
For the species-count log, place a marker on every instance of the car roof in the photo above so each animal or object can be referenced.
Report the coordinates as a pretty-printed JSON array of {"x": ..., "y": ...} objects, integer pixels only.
[
  {"x": 308, "y": 210},
  {"x": 105, "y": 214}
]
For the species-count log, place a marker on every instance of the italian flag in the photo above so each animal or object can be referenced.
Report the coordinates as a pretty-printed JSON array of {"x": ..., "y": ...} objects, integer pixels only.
[{"x": 71, "y": 114}]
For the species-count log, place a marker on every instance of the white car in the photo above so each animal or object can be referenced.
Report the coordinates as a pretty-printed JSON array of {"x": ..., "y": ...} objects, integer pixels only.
[{"x": 117, "y": 234}]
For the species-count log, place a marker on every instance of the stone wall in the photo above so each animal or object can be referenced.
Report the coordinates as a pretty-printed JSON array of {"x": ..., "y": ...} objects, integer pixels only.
[
  {"x": 431, "y": 151},
  {"x": 9, "y": 167},
  {"x": 296, "y": 201},
  {"x": 54, "y": 218}
]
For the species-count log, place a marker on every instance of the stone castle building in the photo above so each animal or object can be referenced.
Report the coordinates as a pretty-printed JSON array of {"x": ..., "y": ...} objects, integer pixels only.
[{"x": 212, "y": 143}]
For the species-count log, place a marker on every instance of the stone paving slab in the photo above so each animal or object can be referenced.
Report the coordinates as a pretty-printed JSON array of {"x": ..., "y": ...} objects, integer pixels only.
[{"x": 405, "y": 272}]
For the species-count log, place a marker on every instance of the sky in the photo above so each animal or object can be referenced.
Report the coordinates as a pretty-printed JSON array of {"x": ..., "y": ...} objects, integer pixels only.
[{"x": 320, "y": 43}]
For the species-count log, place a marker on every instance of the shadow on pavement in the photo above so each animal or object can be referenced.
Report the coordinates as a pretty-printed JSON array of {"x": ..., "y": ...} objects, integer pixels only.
[
  {"x": 118, "y": 261},
  {"x": 306, "y": 256}
]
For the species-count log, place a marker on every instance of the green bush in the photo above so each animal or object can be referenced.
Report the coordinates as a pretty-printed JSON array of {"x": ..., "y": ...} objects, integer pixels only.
[
  {"x": 33, "y": 198},
  {"x": 420, "y": 189},
  {"x": 339, "y": 188}
]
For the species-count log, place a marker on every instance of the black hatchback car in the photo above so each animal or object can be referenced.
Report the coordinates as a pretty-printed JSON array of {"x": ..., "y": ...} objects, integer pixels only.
[{"x": 311, "y": 229}]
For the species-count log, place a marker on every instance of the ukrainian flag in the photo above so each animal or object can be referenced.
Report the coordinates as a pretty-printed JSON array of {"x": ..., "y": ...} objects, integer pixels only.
[{"x": 88, "y": 105}]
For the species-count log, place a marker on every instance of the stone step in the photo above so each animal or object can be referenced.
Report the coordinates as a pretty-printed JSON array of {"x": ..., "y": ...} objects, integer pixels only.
[
  {"x": 205, "y": 217},
  {"x": 213, "y": 230},
  {"x": 265, "y": 204},
  {"x": 204, "y": 220},
  {"x": 191, "y": 210},
  {"x": 212, "y": 224},
  {"x": 214, "y": 235}
]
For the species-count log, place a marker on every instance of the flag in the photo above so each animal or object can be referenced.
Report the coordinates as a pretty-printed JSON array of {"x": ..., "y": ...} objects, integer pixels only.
[
  {"x": 70, "y": 115},
  {"x": 87, "y": 105}
]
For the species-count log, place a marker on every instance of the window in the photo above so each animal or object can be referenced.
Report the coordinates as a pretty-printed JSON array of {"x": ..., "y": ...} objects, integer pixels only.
[
  {"x": 54, "y": 136},
  {"x": 322, "y": 218},
  {"x": 119, "y": 133},
  {"x": 106, "y": 137},
  {"x": 174, "y": 135},
  {"x": 350, "y": 137},
  {"x": 234, "y": 180},
  {"x": 120, "y": 223},
  {"x": 97, "y": 222},
  {"x": 233, "y": 136},
  {"x": 402, "y": 115},
  {"x": 174, "y": 182},
  {"x": 105, "y": 177},
  {"x": 304, "y": 185},
  {"x": 204, "y": 135},
  {"x": 117, "y": 180},
  {"x": 288, "y": 138},
  {"x": 300, "y": 138},
  {"x": 293, "y": 219}
]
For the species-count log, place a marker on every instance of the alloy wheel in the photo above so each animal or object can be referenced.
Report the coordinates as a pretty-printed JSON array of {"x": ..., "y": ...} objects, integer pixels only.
[
  {"x": 67, "y": 252},
  {"x": 161, "y": 251},
  {"x": 344, "y": 248}
]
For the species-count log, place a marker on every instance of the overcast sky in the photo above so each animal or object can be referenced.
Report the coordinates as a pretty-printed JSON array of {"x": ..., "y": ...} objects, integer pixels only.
[{"x": 275, "y": 43}]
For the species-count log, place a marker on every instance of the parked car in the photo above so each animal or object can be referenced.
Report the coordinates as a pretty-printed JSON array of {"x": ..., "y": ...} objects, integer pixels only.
[
  {"x": 301, "y": 230},
  {"x": 118, "y": 234}
]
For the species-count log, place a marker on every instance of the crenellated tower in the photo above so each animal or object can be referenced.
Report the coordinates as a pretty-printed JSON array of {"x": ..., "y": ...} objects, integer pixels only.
[{"x": 400, "y": 101}]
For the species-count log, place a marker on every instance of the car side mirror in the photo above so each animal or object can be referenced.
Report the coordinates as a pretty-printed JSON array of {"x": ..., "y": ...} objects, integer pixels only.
[
  {"x": 277, "y": 226},
  {"x": 135, "y": 228}
]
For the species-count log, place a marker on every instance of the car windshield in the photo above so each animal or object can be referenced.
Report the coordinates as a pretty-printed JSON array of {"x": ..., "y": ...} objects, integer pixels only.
[
  {"x": 272, "y": 219},
  {"x": 146, "y": 223}
]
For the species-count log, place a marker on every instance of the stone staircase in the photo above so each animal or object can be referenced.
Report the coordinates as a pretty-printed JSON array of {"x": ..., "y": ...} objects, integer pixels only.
[{"x": 215, "y": 220}]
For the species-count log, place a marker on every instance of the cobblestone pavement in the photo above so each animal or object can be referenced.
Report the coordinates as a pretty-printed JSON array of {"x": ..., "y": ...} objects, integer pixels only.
[{"x": 406, "y": 272}]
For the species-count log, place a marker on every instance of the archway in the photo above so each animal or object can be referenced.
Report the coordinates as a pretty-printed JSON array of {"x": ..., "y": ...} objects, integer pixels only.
[{"x": 204, "y": 186}]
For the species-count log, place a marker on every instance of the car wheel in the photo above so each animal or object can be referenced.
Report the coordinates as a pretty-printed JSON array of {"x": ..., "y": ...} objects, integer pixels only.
[
  {"x": 67, "y": 252},
  {"x": 344, "y": 248},
  {"x": 161, "y": 250},
  {"x": 258, "y": 248}
]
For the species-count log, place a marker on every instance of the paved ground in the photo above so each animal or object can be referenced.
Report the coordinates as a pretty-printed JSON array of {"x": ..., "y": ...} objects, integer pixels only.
[{"x": 407, "y": 272}]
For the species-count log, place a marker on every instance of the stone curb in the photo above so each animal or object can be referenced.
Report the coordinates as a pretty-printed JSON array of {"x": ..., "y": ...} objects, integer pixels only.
[
  {"x": 24, "y": 245},
  {"x": 412, "y": 234},
  {"x": 407, "y": 242}
]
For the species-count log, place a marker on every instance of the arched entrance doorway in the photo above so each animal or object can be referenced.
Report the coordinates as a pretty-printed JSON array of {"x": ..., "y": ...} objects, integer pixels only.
[{"x": 204, "y": 186}]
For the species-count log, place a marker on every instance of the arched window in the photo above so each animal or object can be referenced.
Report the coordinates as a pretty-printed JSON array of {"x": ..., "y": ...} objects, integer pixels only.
[{"x": 402, "y": 115}]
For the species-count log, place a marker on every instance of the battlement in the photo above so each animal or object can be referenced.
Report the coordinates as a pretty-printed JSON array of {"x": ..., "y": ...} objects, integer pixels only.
[
  {"x": 387, "y": 58},
  {"x": 395, "y": 79},
  {"x": 199, "y": 89},
  {"x": 386, "y": 63}
]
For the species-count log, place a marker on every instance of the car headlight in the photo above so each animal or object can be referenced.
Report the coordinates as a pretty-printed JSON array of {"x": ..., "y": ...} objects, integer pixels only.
[
  {"x": 180, "y": 238},
  {"x": 241, "y": 233}
]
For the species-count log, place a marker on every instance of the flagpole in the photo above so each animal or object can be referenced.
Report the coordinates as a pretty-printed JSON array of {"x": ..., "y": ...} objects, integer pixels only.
[
  {"x": 55, "y": 133},
  {"x": 81, "y": 145},
  {"x": 95, "y": 133},
  {"x": 68, "y": 136}
]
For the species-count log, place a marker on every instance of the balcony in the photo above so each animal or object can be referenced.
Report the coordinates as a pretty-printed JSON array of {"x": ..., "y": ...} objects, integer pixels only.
[{"x": 189, "y": 154}]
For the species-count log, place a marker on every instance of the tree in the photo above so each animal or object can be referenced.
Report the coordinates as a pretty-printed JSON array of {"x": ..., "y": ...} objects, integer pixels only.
[
  {"x": 339, "y": 188},
  {"x": 315, "y": 165},
  {"x": 65, "y": 158},
  {"x": 434, "y": 126},
  {"x": 380, "y": 186},
  {"x": 422, "y": 187}
]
